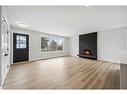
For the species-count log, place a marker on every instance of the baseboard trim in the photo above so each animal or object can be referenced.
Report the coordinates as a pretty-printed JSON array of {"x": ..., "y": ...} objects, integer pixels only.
[
  {"x": 112, "y": 61},
  {"x": 102, "y": 59},
  {"x": 38, "y": 60}
]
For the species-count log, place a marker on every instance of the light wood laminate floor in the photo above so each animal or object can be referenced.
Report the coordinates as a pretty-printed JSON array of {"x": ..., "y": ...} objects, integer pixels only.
[{"x": 64, "y": 73}]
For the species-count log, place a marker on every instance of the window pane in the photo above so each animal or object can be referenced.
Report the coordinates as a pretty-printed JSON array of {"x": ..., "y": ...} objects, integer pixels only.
[
  {"x": 53, "y": 45},
  {"x": 17, "y": 37},
  {"x": 17, "y": 46},
  {"x": 60, "y": 44},
  {"x": 20, "y": 41},
  {"x": 44, "y": 44},
  {"x": 22, "y": 45}
]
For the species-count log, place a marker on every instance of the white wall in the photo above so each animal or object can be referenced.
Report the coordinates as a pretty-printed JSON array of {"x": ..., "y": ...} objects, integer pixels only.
[
  {"x": 5, "y": 60},
  {"x": 126, "y": 39},
  {"x": 74, "y": 45},
  {"x": 110, "y": 44},
  {"x": 35, "y": 52},
  {"x": 0, "y": 48},
  {"x": 124, "y": 53}
]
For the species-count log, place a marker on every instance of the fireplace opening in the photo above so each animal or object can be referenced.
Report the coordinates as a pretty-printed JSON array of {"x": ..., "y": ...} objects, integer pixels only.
[{"x": 87, "y": 52}]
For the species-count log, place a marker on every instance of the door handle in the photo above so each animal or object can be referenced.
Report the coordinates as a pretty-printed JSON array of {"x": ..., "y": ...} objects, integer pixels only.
[{"x": 5, "y": 54}]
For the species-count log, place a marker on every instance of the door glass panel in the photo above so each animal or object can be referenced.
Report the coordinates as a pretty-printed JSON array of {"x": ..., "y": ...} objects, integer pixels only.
[
  {"x": 22, "y": 45},
  {"x": 20, "y": 42}
]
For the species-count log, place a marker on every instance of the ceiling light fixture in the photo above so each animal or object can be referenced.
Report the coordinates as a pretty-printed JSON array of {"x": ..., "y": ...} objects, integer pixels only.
[{"x": 22, "y": 24}]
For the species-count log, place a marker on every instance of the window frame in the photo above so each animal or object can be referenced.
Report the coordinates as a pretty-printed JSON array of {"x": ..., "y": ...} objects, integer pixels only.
[{"x": 50, "y": 40}]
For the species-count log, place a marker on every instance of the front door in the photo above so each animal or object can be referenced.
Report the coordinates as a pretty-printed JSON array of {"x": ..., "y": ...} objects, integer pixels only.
[{"x": 20, "y": 47}]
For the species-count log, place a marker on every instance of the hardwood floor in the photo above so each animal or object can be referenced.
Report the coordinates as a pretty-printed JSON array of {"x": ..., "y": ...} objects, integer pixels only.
[{"x": 64, "y": 73}]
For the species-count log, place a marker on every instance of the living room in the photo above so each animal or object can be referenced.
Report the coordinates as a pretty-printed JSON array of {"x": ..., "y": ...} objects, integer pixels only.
[{"x": 80, "y": 46}]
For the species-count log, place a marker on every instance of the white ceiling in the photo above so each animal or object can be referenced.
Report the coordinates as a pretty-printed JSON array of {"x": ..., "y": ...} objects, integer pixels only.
[{"x": 68, "y": 21}]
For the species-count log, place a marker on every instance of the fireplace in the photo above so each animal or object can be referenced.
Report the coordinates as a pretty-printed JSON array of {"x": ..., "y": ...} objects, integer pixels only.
[
  {"x": 88, "y": 46},
  {"x": 87, "y": 53}
]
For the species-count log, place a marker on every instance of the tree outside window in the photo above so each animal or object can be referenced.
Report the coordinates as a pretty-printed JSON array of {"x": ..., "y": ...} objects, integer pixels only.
[{"x": 51, "y": 44}]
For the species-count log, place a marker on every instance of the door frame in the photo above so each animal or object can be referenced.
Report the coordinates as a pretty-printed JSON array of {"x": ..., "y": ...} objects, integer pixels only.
[{"x": 12, "y": 44}]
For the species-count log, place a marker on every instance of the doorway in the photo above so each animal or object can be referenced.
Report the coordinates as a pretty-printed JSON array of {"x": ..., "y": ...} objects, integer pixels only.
[{"x": 20, "y": 47}]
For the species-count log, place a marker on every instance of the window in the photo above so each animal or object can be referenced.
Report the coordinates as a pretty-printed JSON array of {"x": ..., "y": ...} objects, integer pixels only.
[
  {"x": 60, "y": 44},
  {"x": 20, "y": 42},
  {"x": 51, "y": 44},
  {"x": 44, "y": 44}
]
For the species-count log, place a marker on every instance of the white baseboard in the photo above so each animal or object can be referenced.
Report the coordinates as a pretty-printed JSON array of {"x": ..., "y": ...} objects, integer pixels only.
[
  {"x": 36, "y": 59},
  {"x": 109, "y": 60},
  {"x": 102, "y": 59}
]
